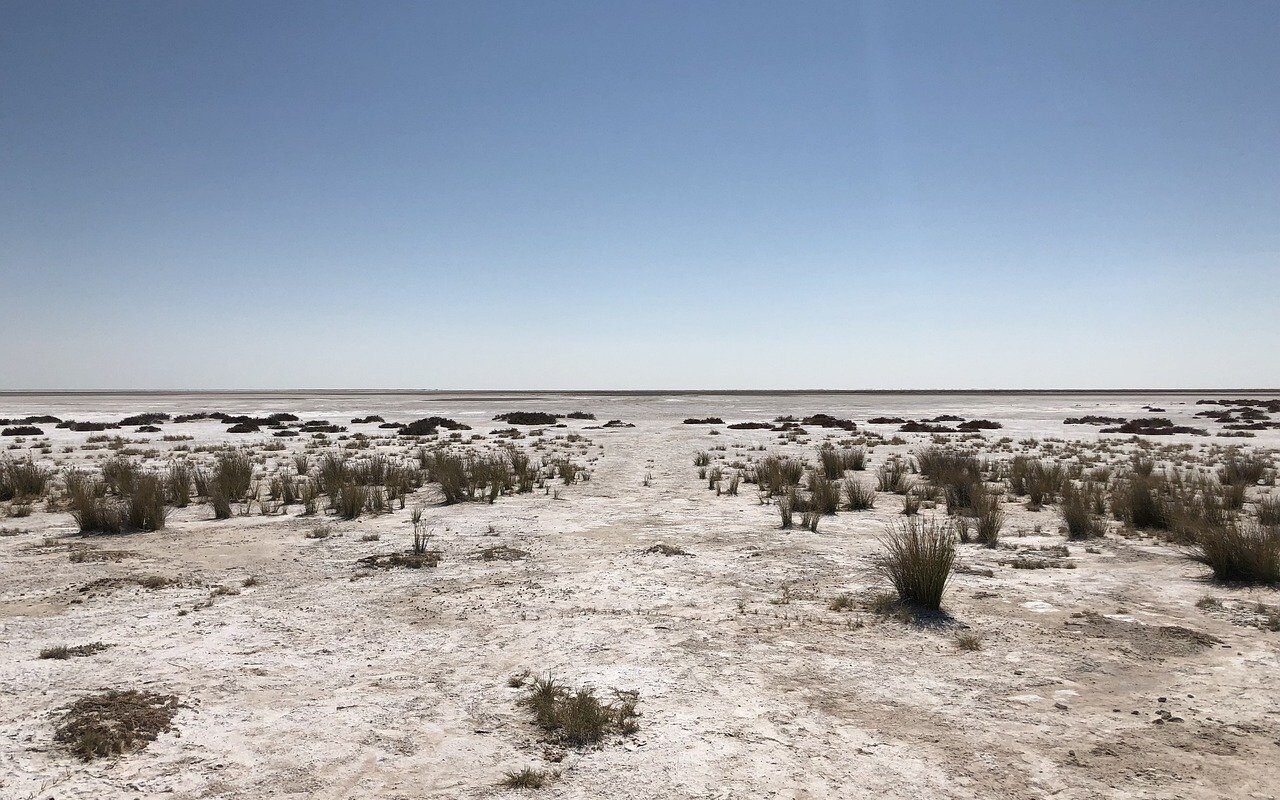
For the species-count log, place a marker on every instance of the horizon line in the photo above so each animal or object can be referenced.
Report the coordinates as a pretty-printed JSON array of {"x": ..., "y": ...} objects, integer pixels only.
[{"x": 623, "y": 392}]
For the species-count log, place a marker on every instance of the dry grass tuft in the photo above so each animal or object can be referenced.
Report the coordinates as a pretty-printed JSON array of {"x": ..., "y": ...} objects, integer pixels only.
[
  {"x": 861, "y": 497},
  {"x": 968, "y": 641},
  {"x": 1077, "y": 514},
  {"x": 919, "y": 558},
  {"x": 21, "y": 479},
  {"x": 528, "y": 778},
  {"x": 1239, "y": 552}
]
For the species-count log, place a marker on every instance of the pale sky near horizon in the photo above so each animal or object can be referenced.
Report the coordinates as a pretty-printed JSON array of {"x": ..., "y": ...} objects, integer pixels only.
[{"x": 602, "y": 195}]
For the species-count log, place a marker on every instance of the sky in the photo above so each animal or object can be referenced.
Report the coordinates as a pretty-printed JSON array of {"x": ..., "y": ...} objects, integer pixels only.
[{"x": 647, "y": 195}]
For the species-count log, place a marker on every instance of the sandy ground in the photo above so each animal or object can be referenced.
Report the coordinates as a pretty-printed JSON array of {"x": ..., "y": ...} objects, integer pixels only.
[{"x": 321, "y": 681}]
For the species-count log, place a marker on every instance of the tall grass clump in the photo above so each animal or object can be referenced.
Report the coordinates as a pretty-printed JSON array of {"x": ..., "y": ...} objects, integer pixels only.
[
  {"x": 824, "y": 494},
  {"x": 332, "y": 473},
  {"x": 939, "y": 464},
  {"x": 1036, "y": 480},
  {"x": 178, "y": 484},
  {"x": 119, "y": 474},
  {"x": 1077, "y": 514},
  {"x": 1044, "y": 482},
  {"x": 145, "y": 506},
  {"x": 1243, "y": 470},
  {"x": 1239, "y": 552},
  {"x": 1139, "y": 501},
  {"x": 987, "y": 514},
  {"x": 786, "y": 509},
  {"x": 143, "y": 509},
  {"x": 918, "y": 559},
  {"x": 219, "y": 501},
  {"x": 233, "y": 473},
  {"x": 855, "y": 458},
  {"x": 1269, "y": 510},
  {"x": 860, "y": 496},
  {"x": 1231, "y": 495},
  {"x": 92, "y": 511},
  {"x": 910, "y": 504},
  {"x": 834, "y": 462},
  {"x": 892, "y": 477},
  {"x": 450, "y": 471},
  {"x": 21, "y": 479},
  {"x": 778, "y": 474},
  {"x": 959, "y": 475},
  {"x": 829, "y": 458},
  {"x": 350, "y": 499}
]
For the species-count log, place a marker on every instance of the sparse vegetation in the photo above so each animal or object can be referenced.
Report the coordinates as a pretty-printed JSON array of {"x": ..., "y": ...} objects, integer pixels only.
[
  {"x": 63, "y": 652},
  {"x": 115, "y": 722},
  {"x": 842, "y": 602},
  {"x": 528, "y": 778},
  {"x": 579, "y": 718}
]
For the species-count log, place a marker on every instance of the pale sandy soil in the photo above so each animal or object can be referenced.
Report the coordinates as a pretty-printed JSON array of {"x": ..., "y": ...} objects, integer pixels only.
[{"x": 318, "y": 683}]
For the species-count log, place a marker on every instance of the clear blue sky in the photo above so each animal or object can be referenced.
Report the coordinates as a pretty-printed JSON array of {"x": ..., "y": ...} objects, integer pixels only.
[{"x": 639, "y": 195}]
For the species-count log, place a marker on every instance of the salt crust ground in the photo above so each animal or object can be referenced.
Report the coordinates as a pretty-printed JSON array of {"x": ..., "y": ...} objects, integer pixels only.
[{"x": 313, "y": 684}]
